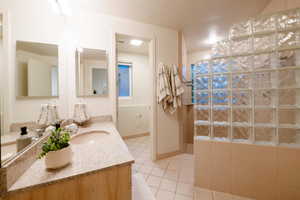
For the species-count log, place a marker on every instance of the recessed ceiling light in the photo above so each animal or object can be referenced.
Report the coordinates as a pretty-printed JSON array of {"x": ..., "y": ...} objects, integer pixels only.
[{"x": 136, "y": 42}]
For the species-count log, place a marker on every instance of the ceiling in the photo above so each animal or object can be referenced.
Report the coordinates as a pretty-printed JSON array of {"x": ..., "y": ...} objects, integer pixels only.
[
  {"x": 196, "y": 18},
  {"x": 38, "y": 48},
  {"x": 123, "y": 45},
  {"x": 93, "y": 54}
]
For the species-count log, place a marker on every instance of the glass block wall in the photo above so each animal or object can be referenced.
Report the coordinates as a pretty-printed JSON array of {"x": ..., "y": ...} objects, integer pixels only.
[{"x": 250, "y": 90}]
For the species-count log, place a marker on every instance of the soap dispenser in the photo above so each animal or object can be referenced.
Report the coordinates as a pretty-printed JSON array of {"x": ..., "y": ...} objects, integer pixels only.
[{"x": 24, "y": 140}]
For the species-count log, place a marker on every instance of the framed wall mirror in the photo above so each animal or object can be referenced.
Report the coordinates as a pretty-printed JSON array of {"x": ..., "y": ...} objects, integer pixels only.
[
  {"x": 91, "y": 72},
  {"x": 36, "y": 70}
]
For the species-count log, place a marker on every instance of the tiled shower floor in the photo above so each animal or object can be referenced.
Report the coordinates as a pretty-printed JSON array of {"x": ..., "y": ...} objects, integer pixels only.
[{"x": 171, "y": 178}]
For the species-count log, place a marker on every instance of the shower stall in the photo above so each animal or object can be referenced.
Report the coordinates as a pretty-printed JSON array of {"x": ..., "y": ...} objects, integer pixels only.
[{"x": 247, "y": 112}]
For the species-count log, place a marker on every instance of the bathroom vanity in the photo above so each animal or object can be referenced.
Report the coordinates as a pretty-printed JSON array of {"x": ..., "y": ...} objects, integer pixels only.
[{"x": 101, "y": 169}]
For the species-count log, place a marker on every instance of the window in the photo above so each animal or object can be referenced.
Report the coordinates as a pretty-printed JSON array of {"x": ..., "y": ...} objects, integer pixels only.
[{"x": 124, "y": 79}]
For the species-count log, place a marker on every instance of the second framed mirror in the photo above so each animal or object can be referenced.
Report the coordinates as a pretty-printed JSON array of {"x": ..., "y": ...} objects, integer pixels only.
[{"x": 91, "y": 72}]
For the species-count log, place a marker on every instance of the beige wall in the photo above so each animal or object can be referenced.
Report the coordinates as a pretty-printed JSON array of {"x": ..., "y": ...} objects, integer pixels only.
[{"x": 34, "y": 20}]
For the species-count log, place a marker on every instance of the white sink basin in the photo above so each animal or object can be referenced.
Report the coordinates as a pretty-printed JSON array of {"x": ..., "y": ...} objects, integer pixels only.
[{"x": 90, "y": 137}]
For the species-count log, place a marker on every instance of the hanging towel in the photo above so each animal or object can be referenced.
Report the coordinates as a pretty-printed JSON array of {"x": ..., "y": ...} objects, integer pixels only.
[
  {"x": 170, "y": 88},
  {"x": 163, "y": 89},
  {"x": 177, "y": 89}
]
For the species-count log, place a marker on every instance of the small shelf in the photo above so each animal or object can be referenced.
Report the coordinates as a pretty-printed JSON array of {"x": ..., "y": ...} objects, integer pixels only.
[{"x": 201, "y": 123}]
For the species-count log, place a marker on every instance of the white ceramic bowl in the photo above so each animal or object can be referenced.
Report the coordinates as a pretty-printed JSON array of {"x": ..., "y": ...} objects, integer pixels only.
[{"x": 58, "y": 159}]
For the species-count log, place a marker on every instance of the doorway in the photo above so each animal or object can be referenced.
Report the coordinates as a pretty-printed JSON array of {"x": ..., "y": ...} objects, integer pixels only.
[{"x": 135, "y": 75}]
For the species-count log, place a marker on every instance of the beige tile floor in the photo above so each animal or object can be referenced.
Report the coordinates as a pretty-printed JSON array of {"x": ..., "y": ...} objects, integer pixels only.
[{"x": 171, "y": 178}]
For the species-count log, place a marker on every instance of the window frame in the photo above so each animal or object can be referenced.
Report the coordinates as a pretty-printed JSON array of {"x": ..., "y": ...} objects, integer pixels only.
[{"x": 130, "y": 80}]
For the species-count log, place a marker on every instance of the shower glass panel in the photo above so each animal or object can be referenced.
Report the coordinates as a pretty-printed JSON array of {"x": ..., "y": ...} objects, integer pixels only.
[
  {"x": 289, "y": 97},
  {"x": 202, "y": 83},
  {"x": 264, "y": 42},
  {"x": 241, "y": 64},
  {"x": 220, "y": 82},
  {"x": 220, "y": 97},
  {"x": 265, "y": 135},
  {"x": 264, "y": 24},
  {"x": 221, "y": 115},
  {"x": 289, "y": 19},
  {"x": 263, "y": 61},
  {"x": 264, "y": 80},
  {"x": 288, "y": 58},
  {"x": 288, "y": 39},
  {"x": 250, "y": 89},
  {"x": 241, "y": 81},
  {"x": 221, "y": 132},
  {"x": 241, "y": 98}
]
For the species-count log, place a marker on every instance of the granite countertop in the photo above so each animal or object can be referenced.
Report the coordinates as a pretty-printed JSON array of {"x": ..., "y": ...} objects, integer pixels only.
[{"x": 87, "y": 158}]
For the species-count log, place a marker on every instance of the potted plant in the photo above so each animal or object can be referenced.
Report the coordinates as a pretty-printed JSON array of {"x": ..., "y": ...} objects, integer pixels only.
[{"x": 57, "y": 150}]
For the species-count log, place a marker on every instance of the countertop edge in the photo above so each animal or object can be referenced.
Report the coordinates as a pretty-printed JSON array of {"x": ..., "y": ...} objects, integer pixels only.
[{"x": 10, "y": 192}]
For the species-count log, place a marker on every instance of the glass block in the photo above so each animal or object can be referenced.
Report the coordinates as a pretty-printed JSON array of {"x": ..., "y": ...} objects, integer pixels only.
[
  {"x": 264, "y": 80},
  {"x": 242, "y": 46},
  {"x": 288, "y": 39},
  {"x": 289, "y": 116},
  {"x": 264, "y": 135},
  {"x": 264, "y": 97},
  {"x": 264, "y": 61},
  {"x": 265, "y": 23},
  {"x": 202, "y": 68},
  {"x": 289, "y": 136},
  {"x": 289, "y": 19},
  {"x": 241, "y": 81},
  {"x": 264, "y": 116},
  {"x": 241, "y": 134},
  {"x": 242, "y": 63},
  {"x": 288, "y": 58},
  {"x": 202, "y": 83},
  {"x": 289, "y": 78},
  {"x": 241, "y": 98},
  {"x": 264, "y": 42},
  {"x": 240, "y": 29},
  {"x": 221, "y": 132},
  {"x": 202, "y": 98},
  {"x": 221, "y": 114},
  {"x": 221, "y": 48},
  {"x": 202, "y": 130},
  {"x": 241, "y": 115},
  {"x": 220, "y": 65},
  {"x": 220, "y": 81},
  {"x": 220, "y": 97},
  {"x": 202, "y": 114},
  {"x": 289, "y": 97}
]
